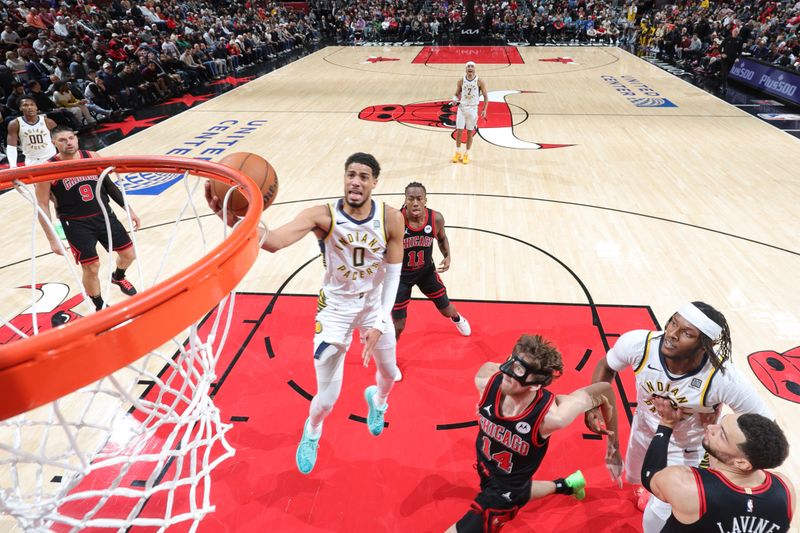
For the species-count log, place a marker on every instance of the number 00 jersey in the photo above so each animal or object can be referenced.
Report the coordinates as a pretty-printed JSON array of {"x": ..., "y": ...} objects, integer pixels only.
[
  {"x": 353, "y": 251},
  {"x": 510, "y": 449},
  {"x": 35, "y": 140}
]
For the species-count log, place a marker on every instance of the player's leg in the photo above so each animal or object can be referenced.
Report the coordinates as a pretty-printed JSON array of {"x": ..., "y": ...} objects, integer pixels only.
[
  {"x": 432, "y": 286},
  {"x": 470, "y": 123},
  {"x": 385, "y": 358},
  {"x": 329, "y": 368},
  {"x": 121, "y": 243},
  {"x": 572, "y": 485},
  {"x": 331, "y": 341},
  {"x": 83, "y": 244},
  {"x": 459, "y": 130},
  {"x": 400, "y": 309},
  {"x": 91, "y": 282},
  {"x": 492, "y": 509}
]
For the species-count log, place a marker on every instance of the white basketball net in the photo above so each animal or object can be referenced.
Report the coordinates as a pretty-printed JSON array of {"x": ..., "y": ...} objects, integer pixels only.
[{"x": 136, "y": 448}]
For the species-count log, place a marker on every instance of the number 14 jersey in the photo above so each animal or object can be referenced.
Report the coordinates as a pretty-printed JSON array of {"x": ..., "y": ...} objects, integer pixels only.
[
  {"x": 353, "y": 251},
  {"x": 510, "y": 449}
]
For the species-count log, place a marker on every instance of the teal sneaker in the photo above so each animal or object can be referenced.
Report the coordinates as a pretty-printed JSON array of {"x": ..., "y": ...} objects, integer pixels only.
[
  {"x": 577, "y": 483},
  {"x": 375, "y": 414},
  {"x": 306, "y": 455},
  {"x": 60, "y": 230}
]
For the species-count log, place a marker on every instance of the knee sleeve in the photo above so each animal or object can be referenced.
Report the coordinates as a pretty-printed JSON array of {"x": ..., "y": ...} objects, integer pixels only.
[{"x": 386, "y": 362}]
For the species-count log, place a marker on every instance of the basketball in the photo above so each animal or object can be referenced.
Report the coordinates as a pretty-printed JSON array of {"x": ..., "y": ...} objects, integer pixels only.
[{"x": 257, "y": 169}]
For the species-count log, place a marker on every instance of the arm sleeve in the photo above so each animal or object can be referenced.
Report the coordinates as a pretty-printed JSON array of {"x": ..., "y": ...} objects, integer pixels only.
[
  {"x": 656, "y": 457},
  {"x": 391, "y": 282},
  {"x": 628, "y": 350},
  {"x": 11, "y": 153},
  {"x": 113, "y": 192}
]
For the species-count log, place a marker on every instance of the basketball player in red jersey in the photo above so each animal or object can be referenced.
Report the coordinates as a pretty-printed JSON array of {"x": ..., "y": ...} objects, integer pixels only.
[
  {"x": 736, "y": 492},
  {"x": 516, "y": 416},
  {"x": 423, "y": 226},
  {"x": 83, "y": 220}
]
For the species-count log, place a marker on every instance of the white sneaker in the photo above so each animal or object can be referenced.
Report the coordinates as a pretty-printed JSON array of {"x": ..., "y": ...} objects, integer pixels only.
[
  {"x": 463, "y": 327},
  {"x": 398, "y": 376}
]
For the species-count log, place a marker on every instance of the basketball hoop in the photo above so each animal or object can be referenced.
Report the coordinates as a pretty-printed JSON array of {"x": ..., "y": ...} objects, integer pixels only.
[{"x": 81, "y": 444}]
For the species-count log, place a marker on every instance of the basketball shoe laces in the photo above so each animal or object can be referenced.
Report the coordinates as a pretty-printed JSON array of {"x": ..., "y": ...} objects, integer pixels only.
[{"x": 125, "y": 286}]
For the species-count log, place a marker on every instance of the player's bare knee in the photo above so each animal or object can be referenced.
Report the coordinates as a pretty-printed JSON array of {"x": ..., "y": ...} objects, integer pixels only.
[{"x": 92, "y": 269}]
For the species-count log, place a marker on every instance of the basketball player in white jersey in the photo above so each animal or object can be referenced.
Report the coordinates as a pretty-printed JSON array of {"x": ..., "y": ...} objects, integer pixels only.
[
  {"x": 31, "y": 132},
  {"x": 468, "y": 94},
  {"x": 687, "y": 363},
  {"x": 362, "y": 250}
]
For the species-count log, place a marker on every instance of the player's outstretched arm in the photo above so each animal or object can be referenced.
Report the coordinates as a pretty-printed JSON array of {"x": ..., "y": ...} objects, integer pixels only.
[
  {"x": 568, "y": 407},
  {"x": 593, "y": 418},
  {"x": 317, "y": 218}
]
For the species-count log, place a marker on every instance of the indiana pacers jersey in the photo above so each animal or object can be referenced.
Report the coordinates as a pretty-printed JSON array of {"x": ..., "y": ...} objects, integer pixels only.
[
  {"x": 353, "y": 251},
  {"x": 35, "y": 140},
  {"x": 470, "y": 92},
  {"x": 687, "y": 391}
]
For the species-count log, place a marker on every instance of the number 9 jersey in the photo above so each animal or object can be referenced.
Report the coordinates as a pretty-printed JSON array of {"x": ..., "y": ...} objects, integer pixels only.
[{"x": 353, "y": 251}]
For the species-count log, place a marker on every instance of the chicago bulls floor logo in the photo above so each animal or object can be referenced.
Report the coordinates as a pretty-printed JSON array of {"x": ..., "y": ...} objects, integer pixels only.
[
  {"x": 778, "y": 372},
  {"x": 497, "y": 129},
  {"x": 52, "y": 300}
]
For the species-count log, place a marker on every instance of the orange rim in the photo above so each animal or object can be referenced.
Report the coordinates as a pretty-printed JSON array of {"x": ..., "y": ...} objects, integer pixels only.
[{"x": 45, "y": 367}]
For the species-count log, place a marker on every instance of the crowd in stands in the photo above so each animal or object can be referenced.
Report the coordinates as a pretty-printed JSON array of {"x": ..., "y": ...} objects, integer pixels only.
[
  {"x": 85, "y": 62},
  {"x": 695, "y": 34},
  {"x": 88, "y": 61},
  {"x": 708, "y": 40}
]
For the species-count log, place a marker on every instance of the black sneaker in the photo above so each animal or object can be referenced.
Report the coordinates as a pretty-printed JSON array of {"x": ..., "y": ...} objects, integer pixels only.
[
  {"x": 60, "y": 318},
  {"x": 125, "y": 286}
]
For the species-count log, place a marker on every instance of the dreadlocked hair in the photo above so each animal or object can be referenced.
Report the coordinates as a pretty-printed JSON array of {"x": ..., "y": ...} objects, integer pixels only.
[
  {"x": 723, "y": 344},
  {"x": 411, "y": 185},
  {"x": 541, "y": 356}
]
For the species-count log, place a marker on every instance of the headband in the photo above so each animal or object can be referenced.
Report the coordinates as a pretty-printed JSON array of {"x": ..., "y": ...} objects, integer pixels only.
[
  {"x": 470, "y": 64},
  {"x": 699, "y": 320}
]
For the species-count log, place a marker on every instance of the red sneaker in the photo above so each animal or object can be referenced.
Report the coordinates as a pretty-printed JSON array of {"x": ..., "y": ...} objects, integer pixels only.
[
  {"x": 642, "y": 496},
  {"x": 125, "y": 286}
]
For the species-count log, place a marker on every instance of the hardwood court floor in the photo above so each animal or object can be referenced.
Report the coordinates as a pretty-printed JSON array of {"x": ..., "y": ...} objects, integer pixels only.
[{"x": 659, "y": 193}]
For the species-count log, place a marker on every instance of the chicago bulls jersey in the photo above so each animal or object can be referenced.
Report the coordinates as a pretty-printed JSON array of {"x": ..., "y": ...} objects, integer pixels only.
[
  {"x": 75, "y": 196},
  {"x": 510, "y": 449},
  {"x": 470, "y": 92},
  {"x": 727, "y": 507},
  {"x": 353, "y": 251},
  {"x": 418, "y": 243},
  {"x": 35, "y": 140}
]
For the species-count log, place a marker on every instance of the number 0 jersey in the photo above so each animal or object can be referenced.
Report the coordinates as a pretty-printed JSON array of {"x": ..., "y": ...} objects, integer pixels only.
[
  {"x": 353, "y": 251},
  {"x": 510, "y": 449},
  {"x": 34, "y": 139}
]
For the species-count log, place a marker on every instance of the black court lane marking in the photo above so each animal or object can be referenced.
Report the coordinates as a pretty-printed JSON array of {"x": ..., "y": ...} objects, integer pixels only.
[{"x": 500, "y": 196}]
